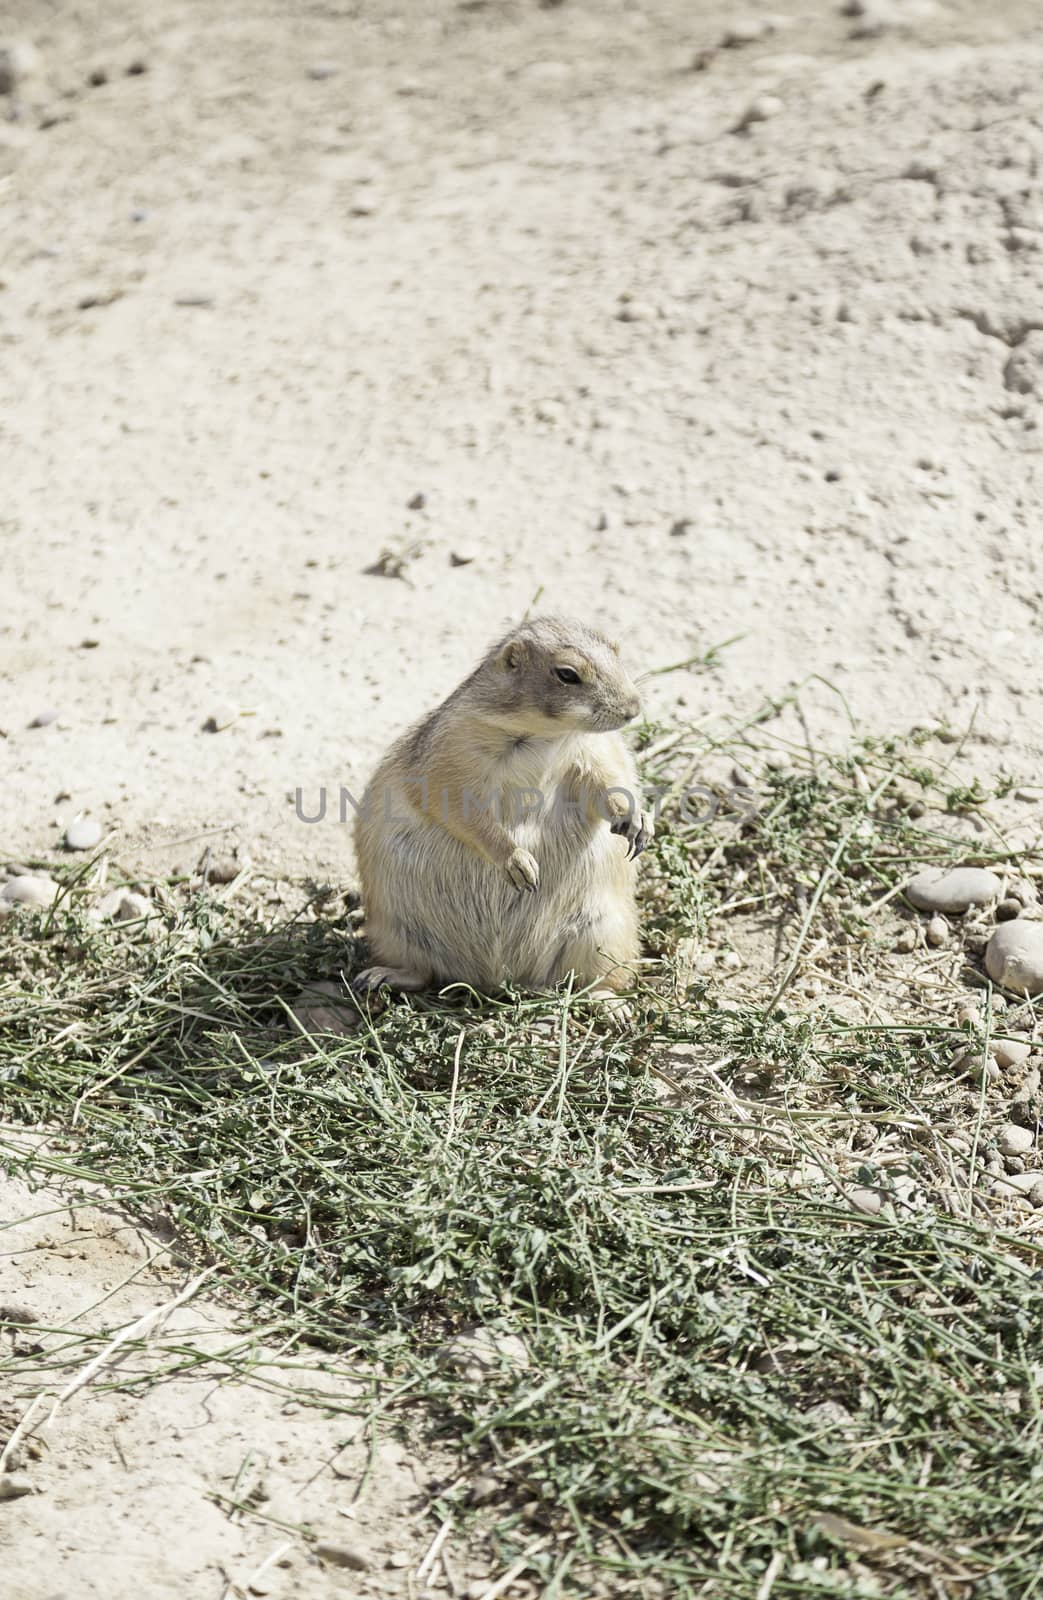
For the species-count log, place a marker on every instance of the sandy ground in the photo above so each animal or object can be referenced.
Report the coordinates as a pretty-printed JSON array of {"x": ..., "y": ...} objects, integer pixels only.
[{"x": 516, "y": 295}]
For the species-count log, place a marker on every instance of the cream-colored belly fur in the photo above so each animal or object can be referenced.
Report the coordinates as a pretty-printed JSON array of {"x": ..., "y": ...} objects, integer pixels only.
[{"x": 437, "y": 908}]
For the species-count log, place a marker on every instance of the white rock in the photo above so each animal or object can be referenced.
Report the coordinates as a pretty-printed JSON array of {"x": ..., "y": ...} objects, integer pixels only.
[
  {"x": 18, "y": 61},
  {"x": 1018, "y": 1182},
  {"x": 29, "y": 890},
  {"x": 83, "y": 834},
  {"x": 1014, "y": 956},
  {"x": 746, "y": 30},
  {"x": 1014, "y": 1141},
  {"x": 867, "y": 1200},
  {"x": 953, "y": 891},
  {"x": 1011, "y": 1052},
  {"x": 937, "y": 934},
  {"x": 762, "y": 109}
]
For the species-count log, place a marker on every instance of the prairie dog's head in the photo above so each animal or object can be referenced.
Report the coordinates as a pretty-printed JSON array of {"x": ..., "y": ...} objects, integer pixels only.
[{"x": 556, "y": 676}]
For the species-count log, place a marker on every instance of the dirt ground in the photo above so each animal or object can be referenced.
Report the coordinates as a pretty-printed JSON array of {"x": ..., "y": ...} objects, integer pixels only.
[{"x": 568, "y": 305}]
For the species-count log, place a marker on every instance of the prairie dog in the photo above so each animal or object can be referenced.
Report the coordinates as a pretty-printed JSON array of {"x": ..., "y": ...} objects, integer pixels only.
[{"x": 497, "y": 839}]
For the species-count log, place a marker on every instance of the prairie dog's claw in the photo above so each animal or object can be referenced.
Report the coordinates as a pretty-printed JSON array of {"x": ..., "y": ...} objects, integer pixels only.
[
  {"x": 637, "y": 828},
  {"x": 524, "y": 871}
]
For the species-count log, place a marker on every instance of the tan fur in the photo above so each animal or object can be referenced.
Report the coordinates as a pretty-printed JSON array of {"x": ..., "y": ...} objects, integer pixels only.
[{"x": 467, "y": 879}]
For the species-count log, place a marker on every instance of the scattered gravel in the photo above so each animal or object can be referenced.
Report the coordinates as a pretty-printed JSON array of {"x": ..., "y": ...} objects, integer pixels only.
[
  {"x": 1014, "y": 956},
  {"x": 953, "y": 891}
]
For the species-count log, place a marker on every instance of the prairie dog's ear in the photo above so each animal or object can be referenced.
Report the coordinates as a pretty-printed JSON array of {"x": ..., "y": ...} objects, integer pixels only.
[{"x": 514, "y": 654}]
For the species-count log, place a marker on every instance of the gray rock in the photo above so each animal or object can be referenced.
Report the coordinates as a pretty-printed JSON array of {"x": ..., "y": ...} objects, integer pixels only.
[
  {"x": 1018, "y": 1182},
  {"x": 29, "y": 890},
  {"x": 83, "y": 834},
  {"x": 343, "y": 1555},
  {"x": 1014, "y": 1141},
  {"x": 953, "y": 891},
  {"x": 1014, "y": 956},
  {"x": 1008, "y": 909},
  {"x": 937, "y": 933},
  {"x": 15, "y": 1484}
]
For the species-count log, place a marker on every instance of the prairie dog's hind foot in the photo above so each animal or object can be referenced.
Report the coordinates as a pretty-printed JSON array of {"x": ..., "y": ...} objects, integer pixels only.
[{"x": 398, "y": 978}]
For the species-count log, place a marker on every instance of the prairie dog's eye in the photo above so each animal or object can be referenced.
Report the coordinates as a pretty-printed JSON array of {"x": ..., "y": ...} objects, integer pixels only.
[{"x": 567, "y": 675}]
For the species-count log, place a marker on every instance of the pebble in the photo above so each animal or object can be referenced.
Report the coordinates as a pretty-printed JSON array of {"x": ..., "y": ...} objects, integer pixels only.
[
  {"x": 43, "y": 719},
  {"x": 746, "y": 30},
  {"x": 343, "y": 1555},
  {"x": 399, "y": 1558},
  {"x": 1011, "y": 1052},
  {"x": 762, "y": 109},
  {"x": 1019, "y": 1182},
  {"x": 1036, "y": 1194},
  {"x": 635, "y": 311},
  {"x": 937, "y": 933},
  {"x": 1023, "y": 373},
  {"x": 461, "y": 558},
  {"x": 323, "y": 69},
  {"x": 907, "y": 940},
  {"x": 1008, "y": 909},
  {"x": 132, "y": 907},
  {"x": 1014, "y": 956},
  {"x": 223, "y": 870},
  {"x": 13, "y": 1485},
  {"x": 29, "y": 890},
  {"x": 83, "y": 834},
  {"x": 480, "y": 1351},
  {"x": 867, "y": 1200},
  {"x": 18, "y": 61},
  {"x": 1014, "y": 1141},
  {"x": 952, "y": 891}
]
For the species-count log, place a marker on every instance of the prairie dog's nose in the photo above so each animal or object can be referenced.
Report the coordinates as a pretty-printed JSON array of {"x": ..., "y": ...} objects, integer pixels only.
[{"x": 631, "y": 707}]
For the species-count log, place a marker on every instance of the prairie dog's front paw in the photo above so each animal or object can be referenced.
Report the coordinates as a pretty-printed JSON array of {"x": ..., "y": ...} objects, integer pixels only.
[
  {"x": 524, "y": 870},
  {"x": 637, "y": 828}
]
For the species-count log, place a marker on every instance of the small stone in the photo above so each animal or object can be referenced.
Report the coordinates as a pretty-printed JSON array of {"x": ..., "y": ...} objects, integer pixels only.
[
  {"x": 777, "y": 761},
  {"x": 43, "y": 719},
  {"x": 29, "y": 890},
  {"x": 224, "y": 870},
  {"x": 13, "y": 1485},
  {"x": 18, "y": 61},
  {"x": 1036, "y": 1194},
  {"x": 320, "y": 70},
  {"x": 461, "y": 558},
  {"x": 322, "y": 1008},
  {"x": 1011, "y": 1052},
  {"x": 1018, "y": 1182},
  {"x": 1014, "y": 1141},
  {"x": 1014, "y": 956},
  {"x": 746, "y": 30},
  {"x": 484, "y": 1488},
  {"x": 762, "y": 109},
  {"x": 418, "y": 502},
  {"x": 399, "y": 1558},
  {"x": 83, "y": 833},
  {"x": 343, "y": 1555},
  {"x": 19, "y": 1315},
  {"x": 937, "y": 933},
  {"x": 1008, "y": 909},
  {"x": 867, "y": 1200},
  {"x": 97, "y": 77},
  {"x": 137, "y": 68},
  {"x": 1014, "y": 1165},
  {"x": 133, "y": 907},
  {"x": 635, "y": 311},
  {"x": 953, "y": 891},
  {"x": 479, "y": 1351},
  {"x": 907, "y": 940},
  {"x": 1023, "y": 373}
]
